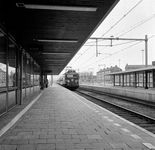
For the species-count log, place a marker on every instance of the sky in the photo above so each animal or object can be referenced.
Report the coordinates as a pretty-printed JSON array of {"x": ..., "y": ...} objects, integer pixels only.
[{"x": 129, "y": 19}]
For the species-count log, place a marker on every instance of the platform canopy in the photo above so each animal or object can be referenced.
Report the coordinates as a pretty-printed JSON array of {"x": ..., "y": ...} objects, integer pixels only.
[
  {"x": 133, "y": 71},
  {"x": 52, "y": 31}
]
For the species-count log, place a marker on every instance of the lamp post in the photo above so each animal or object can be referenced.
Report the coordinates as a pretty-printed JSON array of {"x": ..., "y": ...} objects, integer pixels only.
[
  {"x": 119, "y": 63},
  {"x": 91, "y": 74},
  {"x": 146, "y": 51},
  {"x": 142, "y": 57}
]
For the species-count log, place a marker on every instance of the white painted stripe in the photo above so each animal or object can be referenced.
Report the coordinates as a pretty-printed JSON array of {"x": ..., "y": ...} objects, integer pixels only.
[
  {"x": 149, "y": 145},
  {"x": 132, "y": 124},
  {"x": 125, "y": 130},
  {"x": 16, "y": 118},
  {"x": 96, "y": 111},
  {"x": 135, "y": 136},
  {"x": 106, "y": 117},
  {"x": 116, "y": 124},
  {"x": 110, "y": 120}
]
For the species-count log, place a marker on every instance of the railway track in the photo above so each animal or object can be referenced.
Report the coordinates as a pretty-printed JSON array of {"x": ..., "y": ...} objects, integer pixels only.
[
  {"x": 137, "y": 117},
  {"x": 133, "y": 100}
]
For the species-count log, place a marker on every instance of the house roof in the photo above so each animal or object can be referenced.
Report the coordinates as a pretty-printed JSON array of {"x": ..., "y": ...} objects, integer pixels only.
[{"x": 131, "y": 67}]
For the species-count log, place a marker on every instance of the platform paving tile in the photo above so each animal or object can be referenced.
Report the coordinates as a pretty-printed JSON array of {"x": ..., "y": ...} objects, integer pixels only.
[
  {"x": 89, "y": 141},
  {"x": 83, "y": 146},
  {"x": 19, "y": 141},
  {"x": 101, "y": 145},
  {"x": 26, "y": 147},
  {"x": 58, "y": 123},
  {"x": 79, "y": 136},
  {"x": 69, "y": 131},
  {"x": 55, "y": 132},
  {"x": 65, "y": 146},
  {"x": 12, "y": 137},
  {"x": 94, "y": 136},
  {"x": 119, "y": 145},
  {"x": 46, "y": 146},
  {"x": 72, "y": 141},
  {"x": 30, "y": 137},
  {"x": 8, "y": 147},
  {"x": 135, "y": 144},
  {"x": 45, "y": 136},
  {"x": 37, "y": 141}
]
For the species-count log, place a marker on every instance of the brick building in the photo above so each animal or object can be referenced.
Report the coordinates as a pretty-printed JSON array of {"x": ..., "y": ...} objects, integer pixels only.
[
  {"x": 2, "y": 78},
  {"x": 104, "y": 78}
]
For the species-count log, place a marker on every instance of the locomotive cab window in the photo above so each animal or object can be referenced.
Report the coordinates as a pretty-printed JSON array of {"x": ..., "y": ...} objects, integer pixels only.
[
  {"x": 69, "y": 75},
  {"x": 75, "y": 76}
]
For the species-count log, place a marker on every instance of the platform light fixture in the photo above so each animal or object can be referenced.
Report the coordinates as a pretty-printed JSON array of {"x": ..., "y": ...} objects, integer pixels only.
[
  {"x": 56, "y": 40},
  {"x": 60, "y": 53},
  {"x": 57, "y": 7},
  {"x": 1, "y": 34},
  {"x": 59, "y": 60}
]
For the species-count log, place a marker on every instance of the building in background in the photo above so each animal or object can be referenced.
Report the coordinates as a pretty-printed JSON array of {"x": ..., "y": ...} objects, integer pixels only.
[
  {"x": 85, "y": 77},
  {"x": 2, "y": 78},
  {"x": 103, "y": 76}
]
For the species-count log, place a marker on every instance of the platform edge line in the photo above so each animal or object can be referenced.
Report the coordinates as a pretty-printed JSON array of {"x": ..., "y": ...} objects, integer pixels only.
[{"x": 132, "y": 124}]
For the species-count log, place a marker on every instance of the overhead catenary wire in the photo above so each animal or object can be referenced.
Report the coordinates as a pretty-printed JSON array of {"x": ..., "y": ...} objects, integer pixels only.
[
  {"x": 118, "y": 52},
  {"x": 137, "y": 25},
  {"x": 82, "y": 54},
  {"x": 128, "y": 30},
  {"x": 112, "y": 26},
  {"x": 111, "y": 54},
  {"x": 114, "y": 44},
  {"x": 122, "y": 18}
]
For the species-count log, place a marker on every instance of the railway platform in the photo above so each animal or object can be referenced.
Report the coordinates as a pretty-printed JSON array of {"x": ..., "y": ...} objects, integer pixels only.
[
  {"x": 59, "y": 119},
  {"x": 131, "y": 92}
]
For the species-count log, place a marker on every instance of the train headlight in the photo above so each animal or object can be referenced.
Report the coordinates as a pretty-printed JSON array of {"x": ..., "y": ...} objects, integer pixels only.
[{"x": 67, "y": 80}]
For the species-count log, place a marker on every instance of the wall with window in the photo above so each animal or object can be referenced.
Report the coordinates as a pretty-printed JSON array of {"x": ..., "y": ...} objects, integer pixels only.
[
  {"x": 3, "y": 68},
  {"x": 19, "y": 74},
  {"x": 30, "y": 76}
]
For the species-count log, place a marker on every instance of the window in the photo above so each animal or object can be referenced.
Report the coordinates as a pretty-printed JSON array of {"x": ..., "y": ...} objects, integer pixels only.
[
  {"x": 3, "y": 50},
  {"x": 12, "y": 75}
]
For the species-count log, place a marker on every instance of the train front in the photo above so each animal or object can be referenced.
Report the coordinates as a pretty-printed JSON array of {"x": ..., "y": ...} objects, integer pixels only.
[{"x": 72, "y": 80}]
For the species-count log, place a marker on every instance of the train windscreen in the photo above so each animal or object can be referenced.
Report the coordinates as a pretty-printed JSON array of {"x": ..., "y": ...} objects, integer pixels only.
[
  {"x": 69, "y": 75},
  {"x": 72, "y": 76}
]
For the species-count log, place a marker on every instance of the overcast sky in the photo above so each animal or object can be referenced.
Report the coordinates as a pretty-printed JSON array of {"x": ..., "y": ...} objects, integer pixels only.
[{"x": 129, "y": 19}]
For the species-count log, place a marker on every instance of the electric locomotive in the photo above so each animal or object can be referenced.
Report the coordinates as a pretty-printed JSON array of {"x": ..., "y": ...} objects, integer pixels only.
[{"x": 70, "y": 80}]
